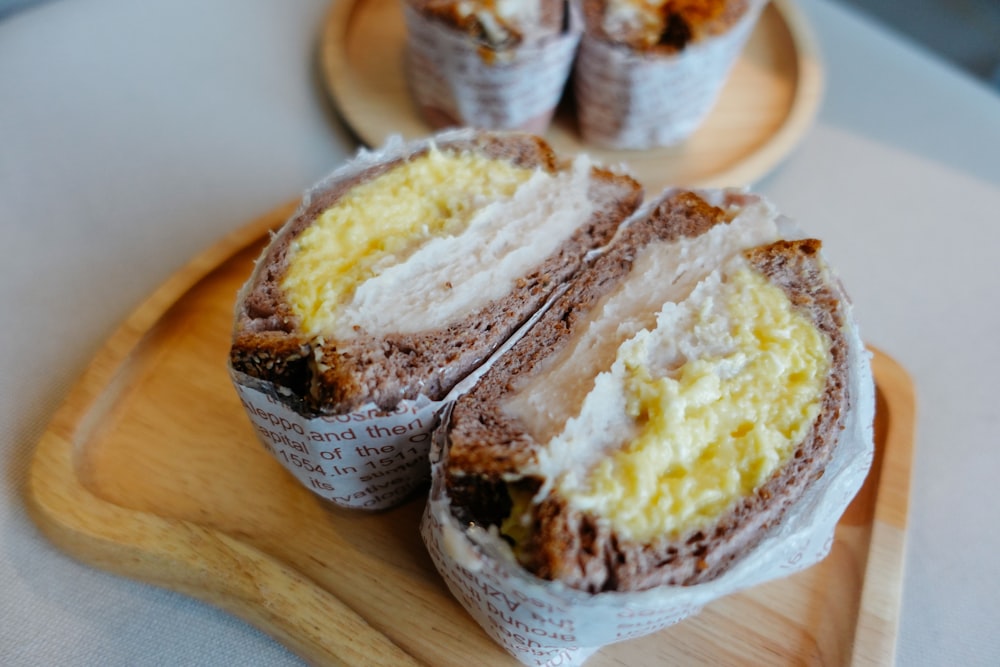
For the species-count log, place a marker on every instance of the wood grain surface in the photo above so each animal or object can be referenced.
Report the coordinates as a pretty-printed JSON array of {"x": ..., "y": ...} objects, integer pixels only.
[
  {"x": 151, "y": 470},
  {"x": 766, "y": 106}
]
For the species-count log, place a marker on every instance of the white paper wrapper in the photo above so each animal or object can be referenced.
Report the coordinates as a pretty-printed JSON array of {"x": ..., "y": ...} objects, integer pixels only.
[
  {"x": 360, "y": 460},
  {"x": 545, "y": 623},
  {"x": 454, "y": 80},
  {"x": 631, "y": 100}
]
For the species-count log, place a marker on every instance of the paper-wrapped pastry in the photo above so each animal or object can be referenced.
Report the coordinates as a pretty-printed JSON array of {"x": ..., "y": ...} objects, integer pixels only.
[
  {"x": 648, "y": 73},
  {"x": 397, "y": 278},
  {"x": 690, "y": 417},
  {"x": 492, "y": 65}
]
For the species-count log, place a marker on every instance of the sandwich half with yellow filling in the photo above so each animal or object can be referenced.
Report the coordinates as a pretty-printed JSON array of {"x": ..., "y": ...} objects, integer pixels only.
[
  {"x": 663, "y": 414},
  {"x": 405, "y": 270}
]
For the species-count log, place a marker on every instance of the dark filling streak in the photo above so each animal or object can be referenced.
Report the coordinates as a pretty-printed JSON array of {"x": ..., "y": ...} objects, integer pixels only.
[{"x": 676, "y": 32}]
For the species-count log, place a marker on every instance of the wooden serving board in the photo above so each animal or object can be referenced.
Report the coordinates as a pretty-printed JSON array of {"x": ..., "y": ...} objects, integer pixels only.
[
  {"x": 768, "y": 102},
  {"x": 151, "y": 470}
]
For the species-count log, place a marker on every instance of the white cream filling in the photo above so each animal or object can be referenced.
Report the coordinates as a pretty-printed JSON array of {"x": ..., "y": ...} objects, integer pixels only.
[
  {"x": 519, "y": 14},
  {"x": 449, "y": 277},
  {"x": 624, "y": 16},
  {"x": 576, "y": 409}
]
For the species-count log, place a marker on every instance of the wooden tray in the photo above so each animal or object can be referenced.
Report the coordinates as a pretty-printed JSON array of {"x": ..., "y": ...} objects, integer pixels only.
[
  {"x": 151, "y": 470},
  {"x": 769, "y": 100}
]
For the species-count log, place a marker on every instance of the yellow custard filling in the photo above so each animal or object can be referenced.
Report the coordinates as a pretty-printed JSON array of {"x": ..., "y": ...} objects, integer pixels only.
[
  {"x": 717, "y": 428},
  {"x": 380, "y": 222}
]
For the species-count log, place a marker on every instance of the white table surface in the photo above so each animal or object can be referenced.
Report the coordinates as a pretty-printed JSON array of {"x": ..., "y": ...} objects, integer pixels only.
[{"x": 134, "y": 134}]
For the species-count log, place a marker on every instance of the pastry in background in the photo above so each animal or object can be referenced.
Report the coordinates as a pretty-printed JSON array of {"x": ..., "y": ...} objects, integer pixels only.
[
  {"x": 491, "y": 65},
  {"x": 648, "y": 73}
]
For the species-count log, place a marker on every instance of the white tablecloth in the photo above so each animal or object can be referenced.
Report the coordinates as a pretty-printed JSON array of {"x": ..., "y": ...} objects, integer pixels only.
[{"x": 134, "y": 134}]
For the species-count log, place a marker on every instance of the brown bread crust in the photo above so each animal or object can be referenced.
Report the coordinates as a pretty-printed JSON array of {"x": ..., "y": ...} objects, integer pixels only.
[
  {"x": 576, "y": 548},
  {"x": 267, "y": 344}
]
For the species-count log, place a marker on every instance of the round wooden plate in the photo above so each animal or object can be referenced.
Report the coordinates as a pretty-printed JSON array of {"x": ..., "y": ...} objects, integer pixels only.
[{"x": 769, "y": 100}]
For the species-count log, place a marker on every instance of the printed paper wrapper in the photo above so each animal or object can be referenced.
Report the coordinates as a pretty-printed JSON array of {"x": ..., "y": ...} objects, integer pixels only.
[
  {"x": 632, "y": 100},
  {"x": 360, "y": 460},
  {"x": 455, "y": 80},
  {"x": 544, "y": 623},
  {"x": 366, "y": 459}
]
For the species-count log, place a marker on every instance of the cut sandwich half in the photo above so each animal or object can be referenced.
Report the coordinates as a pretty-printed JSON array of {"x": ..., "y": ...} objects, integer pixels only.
[
  {"x": 661, "y": 416},
  {"x": 405, "y": 270}
]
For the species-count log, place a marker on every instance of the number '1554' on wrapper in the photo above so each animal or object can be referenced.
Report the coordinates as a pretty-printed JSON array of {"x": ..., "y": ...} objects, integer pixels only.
[{"x": 365, "y": 459}]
